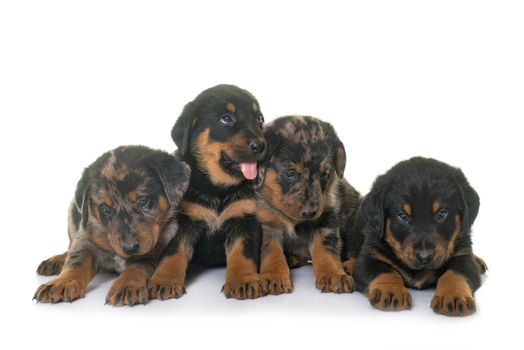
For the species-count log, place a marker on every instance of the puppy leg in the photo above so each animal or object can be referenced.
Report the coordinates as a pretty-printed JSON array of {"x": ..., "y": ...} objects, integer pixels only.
[
  {"x": 169, "y": 277},
  {"x": 273, "y": 266},
  {"x": 130, "y": 288},
  {"x": 71, "y": 283},
  {"x": 242, "y": 258},
  {"x": 349, "y": 265},
  {"x": 455, "y": 288},
  {"x": 52, "y": 266},
  {"x": 294, "y": 261},
  {"x": 383, "y": 286},
  {"x": 325, "y": 256}
]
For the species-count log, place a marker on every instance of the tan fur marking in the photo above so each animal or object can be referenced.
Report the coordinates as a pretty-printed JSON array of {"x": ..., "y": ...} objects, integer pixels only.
[
  {"x": 209, "y": 154},
  {"x": 108, "y": 200},
  {"x": 242, "y": 279},
  {"x": 170, "y": 275},
  {"x": 407, "y": 208},
  {"x": 255, "y": 107},
  {"x": 403, "y": 251},
  {"x": 69, "y": 285},
  {"x": 435, "y": 206},
  {"x": 163, "y": 204},
  {"x": 130, "y": 288},
  {"x": 387, "y": 292},
  {"x": 329, "y": 274},
  {"x": 273, "y": 267},
  {"x": 349, "y": 265},
  {"x": 215, "y": 220},
  {"x": 132, "y": 196},
  {"x": 231, "y": 108},
  {"x": 453, "y": 295},
  {"x": 299, "y": 168},
  {"x": 101, "y": 242},
  {"x": 445, "y": 249}
]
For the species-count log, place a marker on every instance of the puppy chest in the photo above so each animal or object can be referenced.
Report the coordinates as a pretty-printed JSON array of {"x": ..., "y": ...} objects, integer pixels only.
[{"x": 214, "y": 219}]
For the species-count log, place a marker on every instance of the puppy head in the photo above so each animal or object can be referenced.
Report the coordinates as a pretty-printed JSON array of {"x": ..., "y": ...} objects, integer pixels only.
[
  {"x": 221, "y": 131},
  {"x": 127, "y": 196},
  {"x": 422, "y": 209},
  {"x": 298, "y": 174}
]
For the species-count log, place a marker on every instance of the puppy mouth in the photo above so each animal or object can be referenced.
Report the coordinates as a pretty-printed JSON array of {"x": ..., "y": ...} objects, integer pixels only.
[{"x": 248, "y": 168}]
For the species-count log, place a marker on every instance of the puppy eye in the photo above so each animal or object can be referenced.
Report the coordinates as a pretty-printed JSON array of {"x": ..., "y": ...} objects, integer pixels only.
[
  {"x": 403, "y": 216},
  {"x": 105, "y": 211},
  {"x": 226, "y": 119},
  {"x": 442, "y": 214},
  {"x": 325, "y": 175},
  {"x": 260, "y": 119},
  {"x": 142, "y": 202},
  {"x": 291, "y": 175}
]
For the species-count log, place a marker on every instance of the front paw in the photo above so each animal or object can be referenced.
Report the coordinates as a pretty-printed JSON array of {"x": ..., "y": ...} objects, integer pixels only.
[
  {"x": 336, "y": 283},
  {"x": 59, "y": 290},
  {"x": 390, "y": 297},
  {"x": 122, "y": 294},
  {"x": 51, "y": 266},
  {"x": 164, "y": 289},
  {"x": 277, "y": 284},
  {"x": 453, "y": 304},
  {"x": 244, "y": 288}
]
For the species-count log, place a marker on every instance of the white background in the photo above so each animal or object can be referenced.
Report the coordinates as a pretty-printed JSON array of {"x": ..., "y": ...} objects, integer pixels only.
[{"x": 443, "y": 79}]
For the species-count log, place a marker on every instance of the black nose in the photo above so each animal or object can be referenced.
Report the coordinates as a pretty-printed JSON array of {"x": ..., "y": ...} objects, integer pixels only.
[
  {"x": 424, "y": 256},
  {"x": 130, "y": 248},
  {"x": 257, "y": 146},
  {"x": 308, "y": 214}
]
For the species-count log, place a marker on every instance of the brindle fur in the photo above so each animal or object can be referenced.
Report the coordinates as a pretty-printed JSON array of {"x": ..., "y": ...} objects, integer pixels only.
[
  {"x": 121, "y": 219},
  {"x": 304, "y": 204}
]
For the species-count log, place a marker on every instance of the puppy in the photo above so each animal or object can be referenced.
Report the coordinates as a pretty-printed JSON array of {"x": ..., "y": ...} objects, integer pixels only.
[
  {"x": 417, "y": 222},
  {"x": 121, "y": 219},
  {"x": 304, "y": 203},
  {"x": 219, "y": 134}
]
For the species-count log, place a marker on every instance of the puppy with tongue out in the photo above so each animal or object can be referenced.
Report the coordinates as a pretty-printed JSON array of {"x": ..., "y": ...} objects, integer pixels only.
[{"x": 219, "y": 134}]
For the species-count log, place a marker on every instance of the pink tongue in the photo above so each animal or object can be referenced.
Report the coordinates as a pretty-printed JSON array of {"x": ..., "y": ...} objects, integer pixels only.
[{"x": 249, "y": 170}]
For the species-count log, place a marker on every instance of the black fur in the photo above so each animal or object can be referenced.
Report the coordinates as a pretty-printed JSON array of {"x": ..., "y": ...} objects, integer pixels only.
[{"x": 416, "y": 222}]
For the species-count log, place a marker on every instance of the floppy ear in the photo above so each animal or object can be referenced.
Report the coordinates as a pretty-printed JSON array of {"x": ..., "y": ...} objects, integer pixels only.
[
  {"x": 82, "y": 198},
  {"x": 470, "y": 200},
  {"x": 174, "y": 176},
  {"x": 373, "y": 206},
  {"x": 182, "y": 129},
  {"x": 340, "y": 160}
]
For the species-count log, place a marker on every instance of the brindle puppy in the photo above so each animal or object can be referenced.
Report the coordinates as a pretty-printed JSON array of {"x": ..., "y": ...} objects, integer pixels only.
[
  {"x": 219, "y": 134},
  {"x": 417, "y": 222},
  {"x": 121, "y": 219},
  {"x": 304, "y": 203}
]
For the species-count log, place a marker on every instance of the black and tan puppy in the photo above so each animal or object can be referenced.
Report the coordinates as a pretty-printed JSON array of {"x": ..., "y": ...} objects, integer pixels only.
[
  {"x": 304, "y": 203},
  {"x": 417, "y": 221},
  {"x": 121, "y": 219},
  {"x": 219, "y": 134}
]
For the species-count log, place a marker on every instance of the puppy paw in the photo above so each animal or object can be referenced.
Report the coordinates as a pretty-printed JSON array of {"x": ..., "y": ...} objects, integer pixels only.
[
  {"x": 59, "y": 290},
  {"x": 51, "y": 266},
  {"x": 277, "y": 284},
  {"x": 244, "y": 288},
  {"x": 394, "y": 297},
  {"x": 453, "y": 304},
  {"x": 163, "y": 290},
  {"x": 337, "y": 284},
  {"x": 122, "y": 293}
]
